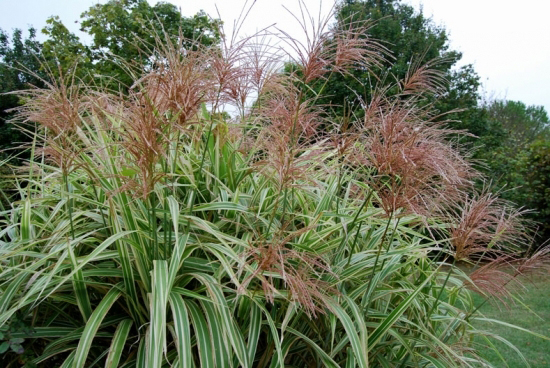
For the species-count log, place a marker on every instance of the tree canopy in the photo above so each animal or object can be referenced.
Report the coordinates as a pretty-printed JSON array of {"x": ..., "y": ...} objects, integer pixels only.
[
  {"x": 123, "y": 35},
  {"x": 516, "y": 156},
  {"x": 19, "y": 64},
  {"x": 523, "y": 124}
]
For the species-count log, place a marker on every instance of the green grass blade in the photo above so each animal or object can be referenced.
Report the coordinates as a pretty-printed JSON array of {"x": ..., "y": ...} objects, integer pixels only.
[
  {"x": 9, "y": 292},
  {"x": 506, "y": 324},
  {"x": 26, "y": 224},
  {"x": 274, "y": 331},
  {"x": 118, "y": 343},
  {"x": 69, "y": 361},
  {"x": 92, "y": 256},
  {"x": 395, "y": 314},
  {"x": 232, "y": 332},
  {"x": 206, "y": 355},
  {"x": 182, "y": 330},
  {"x": 254, "y": 330},
  {"x": 126, "y": 266},
  {"x": 141, "y": 361},
  {"x": 92, "y": 326},
  {"x": 355, "y": 341},
  {"x": 79, "y": 286},
  {"x": 326, "y": 359},
  {"x": 159, "y": 299},
  {"x": 222, "y": 350}
]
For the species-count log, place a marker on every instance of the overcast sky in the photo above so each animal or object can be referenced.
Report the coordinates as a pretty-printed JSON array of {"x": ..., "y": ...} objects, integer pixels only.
[{"x": 507, "y": 41}]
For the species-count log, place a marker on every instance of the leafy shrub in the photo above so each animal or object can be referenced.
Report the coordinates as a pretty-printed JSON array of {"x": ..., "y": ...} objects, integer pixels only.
[
  {"x": 152, "y": 231},
  {"x": 535, "y": 166},
  {"x": 517, "y": 162}
]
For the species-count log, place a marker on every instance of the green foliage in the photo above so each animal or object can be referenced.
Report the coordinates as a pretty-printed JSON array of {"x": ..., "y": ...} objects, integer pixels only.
[
  {"x": 176, "y": 262},
  {"x": 13, "y": 345},
  {"x": 407, "y": 34},
  {"x": 63, "y": 51},
  {"x": 18, "y": 60},
  {"x": 123, "y": 33},
  {"x": 535, "y": 167},
  {"x": 461, "y": 105},
  {"x": 515, "y": 154},
  {"x": 149, "y": 231},
  {"x": 522, "y": 124}
]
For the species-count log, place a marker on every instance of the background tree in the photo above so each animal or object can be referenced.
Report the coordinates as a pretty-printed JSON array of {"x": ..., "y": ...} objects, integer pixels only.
[
  {"x": 18, "y": 56},
  {"x": 123, "y": 31},
  {"x": 19, "y": 68},
  {"x": 535, "y": 166},
  {"x": 501, "y": 134},
  {"x": 464, "y": 110},
  {"x": 516, "y": 157},
  {"x": 523, "y": 124},
  {"x": 63, "y": 52},
  {"x": 519, "y": 128}
]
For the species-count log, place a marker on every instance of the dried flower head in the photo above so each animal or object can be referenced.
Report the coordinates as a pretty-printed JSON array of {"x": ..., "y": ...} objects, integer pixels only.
[
  {"x": 502, "y": 277},
  {"x": 145, "y": 136},
  {"x": 58, "y": 109},
  {"x": 288, "y": 138},
  {"x": 495, "y": 279},
  {"x": 179, "y": 82},
  {"x": 328, "y": 49},
  {"x": 417, "y": 168},
  {"x": 424, "y": 77},
  {"x": 301, "y": 272},
  {"x": 486, "y": 224}
]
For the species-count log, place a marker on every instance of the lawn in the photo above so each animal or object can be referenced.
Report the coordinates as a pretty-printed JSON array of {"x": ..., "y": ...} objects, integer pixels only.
[{"x": 533, "y": 315}]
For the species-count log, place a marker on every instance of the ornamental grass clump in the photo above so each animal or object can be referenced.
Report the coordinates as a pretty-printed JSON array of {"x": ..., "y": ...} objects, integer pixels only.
[{"x": 163, "y": 233}]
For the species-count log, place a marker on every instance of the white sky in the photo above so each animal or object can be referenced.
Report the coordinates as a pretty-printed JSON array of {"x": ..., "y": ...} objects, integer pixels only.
[{"x": 507, "y": 41}]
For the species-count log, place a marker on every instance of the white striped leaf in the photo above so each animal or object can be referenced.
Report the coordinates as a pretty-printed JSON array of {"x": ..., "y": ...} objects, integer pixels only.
[
  {"x": 81, "y": 353},
  {"x": 118, "y": 343},
  {"x": 182, "y": 331},
  {"x": 158, "y": 302}
]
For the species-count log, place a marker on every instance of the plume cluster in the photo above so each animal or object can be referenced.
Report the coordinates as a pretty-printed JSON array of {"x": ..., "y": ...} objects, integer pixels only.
[
  {"x": 503, "y": 277},
  {"x": 302, "y": 272},
  {"x": 484, "y": 224}
]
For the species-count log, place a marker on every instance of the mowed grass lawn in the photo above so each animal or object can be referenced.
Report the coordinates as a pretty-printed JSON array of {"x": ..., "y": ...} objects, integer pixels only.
[{"x": 535, "y": 295}]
